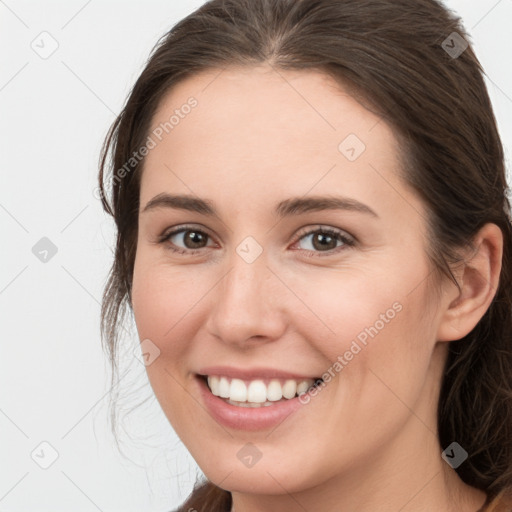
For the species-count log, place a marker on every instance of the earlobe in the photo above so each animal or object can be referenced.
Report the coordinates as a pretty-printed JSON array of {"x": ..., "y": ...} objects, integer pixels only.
[{"x": 479, "y": 279}]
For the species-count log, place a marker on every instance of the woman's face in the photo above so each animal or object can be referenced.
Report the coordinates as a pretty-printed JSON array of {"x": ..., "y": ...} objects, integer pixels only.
[{"x": 259, "y": 289}]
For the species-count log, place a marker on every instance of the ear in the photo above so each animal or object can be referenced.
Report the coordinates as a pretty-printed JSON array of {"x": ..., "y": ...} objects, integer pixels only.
[{"x": 478, "y": 278}]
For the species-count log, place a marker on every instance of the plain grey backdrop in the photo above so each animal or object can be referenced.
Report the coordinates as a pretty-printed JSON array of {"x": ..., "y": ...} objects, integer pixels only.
[{"x": 66, "y": 68}]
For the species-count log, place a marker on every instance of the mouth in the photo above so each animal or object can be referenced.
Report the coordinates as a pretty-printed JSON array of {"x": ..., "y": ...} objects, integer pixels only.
[{"x": 259, "y": 392}]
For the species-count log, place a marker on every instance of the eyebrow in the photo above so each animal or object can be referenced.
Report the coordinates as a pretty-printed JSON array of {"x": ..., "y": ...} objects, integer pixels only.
[{"x": 288, "y": 207}]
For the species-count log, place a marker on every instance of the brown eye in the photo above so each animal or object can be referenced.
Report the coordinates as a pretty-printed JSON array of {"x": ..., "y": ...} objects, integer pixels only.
[
  {"x": 322, "y": 241},
  {"x": 185, "y": 240},
  {"x": 325, "y": 241},
  {"x": 194, "y": 239}
]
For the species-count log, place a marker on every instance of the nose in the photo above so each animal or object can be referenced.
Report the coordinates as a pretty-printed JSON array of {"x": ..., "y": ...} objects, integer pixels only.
[{"x": 248, "y": 304}]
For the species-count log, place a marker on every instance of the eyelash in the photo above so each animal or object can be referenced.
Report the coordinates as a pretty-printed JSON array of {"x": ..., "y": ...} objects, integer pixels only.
[{"x": 347, "y": 242}]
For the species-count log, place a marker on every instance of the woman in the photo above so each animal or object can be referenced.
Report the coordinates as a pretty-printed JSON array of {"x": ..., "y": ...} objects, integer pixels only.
[{"x": 315, "y": 240}]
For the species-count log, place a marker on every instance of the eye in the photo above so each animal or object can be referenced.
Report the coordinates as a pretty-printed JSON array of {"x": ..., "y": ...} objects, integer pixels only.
[
  {"x": 321, "y": 240},
  {"x": 324, "y": 240},
  {"x": 192, "y": 238}
]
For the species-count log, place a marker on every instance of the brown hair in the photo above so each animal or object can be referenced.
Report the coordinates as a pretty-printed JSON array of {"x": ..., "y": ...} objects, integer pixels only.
[{"x": 400, "y": 58}]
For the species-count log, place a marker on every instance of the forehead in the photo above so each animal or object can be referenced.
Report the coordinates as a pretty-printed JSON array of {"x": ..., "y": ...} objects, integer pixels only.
[
  {"x": 266, "y": 132},
  {"x": 262, "y": 102}
]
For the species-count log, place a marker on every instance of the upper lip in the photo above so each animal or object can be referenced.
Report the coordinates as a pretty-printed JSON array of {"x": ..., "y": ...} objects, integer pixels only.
[{"x": 252, "y": 373}]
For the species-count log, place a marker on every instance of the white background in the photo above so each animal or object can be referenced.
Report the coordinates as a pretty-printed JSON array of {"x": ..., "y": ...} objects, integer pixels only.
[{"x": 54, "y": 378}]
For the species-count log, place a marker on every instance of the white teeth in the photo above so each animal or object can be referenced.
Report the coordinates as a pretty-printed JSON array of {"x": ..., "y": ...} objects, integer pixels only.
[
  {"x": 274, "y": 391},
  {"x": 302, "y": 387},
  {"x": 256, "y": 393},
  {"x": 223, "y": 387},
  {"x": 238, "y": 390},
  {"x": 249, "y": 404},
  {"x": 213, "y": 382},
  {"x": 289, "y": 389}
]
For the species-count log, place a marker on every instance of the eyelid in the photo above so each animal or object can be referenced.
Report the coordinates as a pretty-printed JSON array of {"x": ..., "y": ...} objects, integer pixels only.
[
  {"x": 312, "y": 228},
  {"x": 181, "y": 227}
]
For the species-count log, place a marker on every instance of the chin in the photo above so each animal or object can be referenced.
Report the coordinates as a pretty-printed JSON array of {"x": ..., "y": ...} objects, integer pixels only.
[{"x": 266, "y": 478}]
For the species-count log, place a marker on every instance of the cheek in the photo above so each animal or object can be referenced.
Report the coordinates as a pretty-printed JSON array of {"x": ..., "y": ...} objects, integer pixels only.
[
  {"x": 162, "y": 299},
  {"x": 373, "y": 327},
  {"x": 385, "y": 358},
  {"x": 349, "y": 310},
  {"x": 380, "y": 358},
  {"x": 165, "y": 305}
]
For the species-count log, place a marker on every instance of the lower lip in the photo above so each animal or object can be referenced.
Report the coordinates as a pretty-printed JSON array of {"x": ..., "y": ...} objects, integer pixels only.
[{"x": 246, "y": 418}]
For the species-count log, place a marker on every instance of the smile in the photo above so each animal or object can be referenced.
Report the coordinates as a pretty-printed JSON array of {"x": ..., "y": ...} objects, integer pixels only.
[
  {"x": 258, "y": 392},
  {"x": 251, "y": 403}
]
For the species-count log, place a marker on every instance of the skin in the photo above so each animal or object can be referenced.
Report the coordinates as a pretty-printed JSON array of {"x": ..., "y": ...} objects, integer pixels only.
[{"x": 368, "y": 440}]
